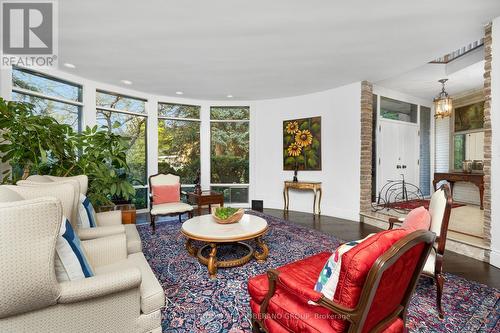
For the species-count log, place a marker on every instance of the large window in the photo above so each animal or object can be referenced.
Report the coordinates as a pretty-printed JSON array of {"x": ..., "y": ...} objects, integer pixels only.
[
  {"x": 229, "y": 159},
  {"x": 127, "y": 117},
  {"x": 179, "y": 141},
  {"x": 50, "y": 96}
]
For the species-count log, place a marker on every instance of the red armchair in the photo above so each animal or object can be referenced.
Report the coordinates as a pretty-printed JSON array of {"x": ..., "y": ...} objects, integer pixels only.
[{"x": 377, "y": 279}]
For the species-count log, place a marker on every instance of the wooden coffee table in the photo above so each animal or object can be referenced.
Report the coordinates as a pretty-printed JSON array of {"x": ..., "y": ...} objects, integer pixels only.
[
  {"x": 205, "y": 229},
  {"x": 205, "y": 198}
]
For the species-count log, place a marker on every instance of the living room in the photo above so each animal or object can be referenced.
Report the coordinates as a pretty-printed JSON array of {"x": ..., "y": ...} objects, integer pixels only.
[{"x": 251, "y": 168}]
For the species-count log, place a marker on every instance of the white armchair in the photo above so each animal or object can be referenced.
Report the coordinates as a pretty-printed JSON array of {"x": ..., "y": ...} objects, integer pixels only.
[
  {"x": 122, "y": 296},
  {"x": 168, "y": 208},
  {"x": 440, "y": 211},
  {"x": 108, "y": 223}
]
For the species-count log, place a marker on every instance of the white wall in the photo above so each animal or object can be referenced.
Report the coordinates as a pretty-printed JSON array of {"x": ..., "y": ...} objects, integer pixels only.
[
  {"x": 340, "y": 145},
  {"x": 495, "y": 151}
]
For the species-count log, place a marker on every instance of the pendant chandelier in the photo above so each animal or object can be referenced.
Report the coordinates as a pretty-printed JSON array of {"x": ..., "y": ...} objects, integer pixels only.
[{"x": 443, "y": 104}]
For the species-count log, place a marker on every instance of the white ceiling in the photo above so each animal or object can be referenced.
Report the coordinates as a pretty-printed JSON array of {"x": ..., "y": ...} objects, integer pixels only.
[
  {"x": 260, "y": 49},
  {"x": 423, "y": 81}
]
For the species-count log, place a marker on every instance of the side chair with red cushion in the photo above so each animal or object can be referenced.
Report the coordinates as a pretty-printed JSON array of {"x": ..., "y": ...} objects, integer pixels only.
[
  {"x": 377, "y": 279},
  {"x": 165, "y": 198}
]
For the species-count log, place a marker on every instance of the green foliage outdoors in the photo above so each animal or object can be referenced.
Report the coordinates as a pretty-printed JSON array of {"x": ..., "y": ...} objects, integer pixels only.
[
  {"x": 225, "y": 212},
  {"x": 38, "y": 144},
  {"x": 230, "y": 153}
]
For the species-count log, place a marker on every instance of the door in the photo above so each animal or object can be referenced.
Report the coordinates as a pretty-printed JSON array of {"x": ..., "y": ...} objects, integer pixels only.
[{"x": 398, "y": 153}]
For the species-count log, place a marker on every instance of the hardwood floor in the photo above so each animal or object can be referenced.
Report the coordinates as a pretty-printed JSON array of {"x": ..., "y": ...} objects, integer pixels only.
[{"x": 454, "y": 263}]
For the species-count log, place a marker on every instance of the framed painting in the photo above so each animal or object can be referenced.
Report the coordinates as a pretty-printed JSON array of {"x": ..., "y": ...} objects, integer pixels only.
[
  {"x": 302, "y": 144},
  {"x": 469, "y": 117}
]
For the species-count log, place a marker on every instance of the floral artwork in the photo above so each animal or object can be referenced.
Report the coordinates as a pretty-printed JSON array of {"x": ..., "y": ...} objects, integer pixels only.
[{"x": 302, "y": 144}]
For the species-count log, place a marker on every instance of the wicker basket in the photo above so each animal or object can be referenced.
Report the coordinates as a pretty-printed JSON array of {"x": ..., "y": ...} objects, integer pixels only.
[{"x": 236, "y": 217}]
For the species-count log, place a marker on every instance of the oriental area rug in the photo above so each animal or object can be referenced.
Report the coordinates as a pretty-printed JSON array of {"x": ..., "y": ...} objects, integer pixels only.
[{"x": 196, "y": 303}]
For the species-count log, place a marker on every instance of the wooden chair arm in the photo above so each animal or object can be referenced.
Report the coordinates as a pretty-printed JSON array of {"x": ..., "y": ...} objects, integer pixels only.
[{"x": 394, "y": 220}]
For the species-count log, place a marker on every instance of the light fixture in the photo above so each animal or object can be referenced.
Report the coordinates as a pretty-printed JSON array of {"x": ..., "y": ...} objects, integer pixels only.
[
  {"x": 443, "y": 104},
  {"x": 127, "y": 82},
  {"x": 67, "y": 64},
  {"x": 229, "y": 96},
  {"x": 179, "y": 93}
]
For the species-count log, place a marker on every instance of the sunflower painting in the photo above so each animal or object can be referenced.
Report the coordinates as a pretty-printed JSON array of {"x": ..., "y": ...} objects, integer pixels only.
[{"x": 302, "y": 144}]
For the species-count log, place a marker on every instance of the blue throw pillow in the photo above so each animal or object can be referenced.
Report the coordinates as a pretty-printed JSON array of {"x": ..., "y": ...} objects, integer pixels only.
[
  {"x": 86, "y": 213},
  {"x": 71, "y": 261}
]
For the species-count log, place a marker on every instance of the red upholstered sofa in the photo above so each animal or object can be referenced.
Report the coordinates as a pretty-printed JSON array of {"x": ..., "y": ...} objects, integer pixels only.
[{"x": 377, "y": 279}]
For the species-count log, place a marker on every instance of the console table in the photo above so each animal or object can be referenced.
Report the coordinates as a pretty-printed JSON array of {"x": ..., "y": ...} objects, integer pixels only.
[
  {"x": 315, "y": 187},
  {"x": 452, "y": 177}
]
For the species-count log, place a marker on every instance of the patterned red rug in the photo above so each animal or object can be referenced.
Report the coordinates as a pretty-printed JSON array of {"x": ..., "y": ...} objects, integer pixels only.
[
  {"x": 197, "y": 304},
  {"x": 415, "y": 203}
]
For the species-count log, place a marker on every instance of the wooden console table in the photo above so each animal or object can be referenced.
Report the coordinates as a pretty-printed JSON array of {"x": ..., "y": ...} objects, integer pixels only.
[
  {"x": 452, "y": 177},
  {"x": 304, "y": 186},
  {"x": 205, "y": 198}
]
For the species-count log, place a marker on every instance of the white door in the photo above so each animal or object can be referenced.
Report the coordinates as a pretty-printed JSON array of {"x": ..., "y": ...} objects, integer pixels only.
[{"x": 398, "y": 152}]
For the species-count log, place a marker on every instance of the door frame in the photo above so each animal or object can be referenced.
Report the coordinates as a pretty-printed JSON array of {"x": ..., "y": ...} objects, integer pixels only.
[
  {"x": 389, "y": 93},
  {"x": 379, "y": 148}
]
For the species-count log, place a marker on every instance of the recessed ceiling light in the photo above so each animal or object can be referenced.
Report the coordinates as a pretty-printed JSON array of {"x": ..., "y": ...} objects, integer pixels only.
[
  {"x": 229, "y": 96},
  {"x": 127, "y": 82},
  {"x": 67, "y": 64},
  {"x": 179, "y": 93}
]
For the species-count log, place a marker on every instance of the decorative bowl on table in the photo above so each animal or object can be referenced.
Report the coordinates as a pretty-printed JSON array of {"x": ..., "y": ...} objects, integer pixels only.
[{"x": 227, "y": 215}]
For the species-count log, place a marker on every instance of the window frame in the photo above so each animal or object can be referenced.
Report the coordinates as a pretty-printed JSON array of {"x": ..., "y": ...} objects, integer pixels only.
[
  {"x": 198, "y": 120},
  {"x": 230, "y": 185},
  {"x": 79, "y": 104},
  {"x": 137, "y": 114}
]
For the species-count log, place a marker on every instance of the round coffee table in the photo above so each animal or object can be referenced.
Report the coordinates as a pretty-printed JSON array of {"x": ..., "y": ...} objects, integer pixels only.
[{"x": 205, "y": 229}]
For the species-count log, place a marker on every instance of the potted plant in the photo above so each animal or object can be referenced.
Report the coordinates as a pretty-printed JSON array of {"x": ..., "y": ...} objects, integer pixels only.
[{"x": 34, "y": 144}]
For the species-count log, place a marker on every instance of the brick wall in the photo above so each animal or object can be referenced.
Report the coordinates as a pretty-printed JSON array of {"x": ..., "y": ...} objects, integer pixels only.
[
  {"x": 366, "y": 145},
  {"x": 487, "y": 133}
]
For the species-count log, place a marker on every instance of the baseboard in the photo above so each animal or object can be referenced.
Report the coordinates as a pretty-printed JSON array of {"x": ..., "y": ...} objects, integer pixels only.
[{"x": 495, "y": 258}]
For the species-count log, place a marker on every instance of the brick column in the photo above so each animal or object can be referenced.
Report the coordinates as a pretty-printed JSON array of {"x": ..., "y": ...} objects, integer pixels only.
[
  {"x": 366, "y": 146},
  {"x": 487, "y": 134}
]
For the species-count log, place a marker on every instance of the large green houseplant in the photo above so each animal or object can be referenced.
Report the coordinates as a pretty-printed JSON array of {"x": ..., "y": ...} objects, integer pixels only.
[{"x": 33, "y": 144}]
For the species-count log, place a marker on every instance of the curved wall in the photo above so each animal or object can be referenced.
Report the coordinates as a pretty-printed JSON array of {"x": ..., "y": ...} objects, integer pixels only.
[{"x": 340, "y": 112}]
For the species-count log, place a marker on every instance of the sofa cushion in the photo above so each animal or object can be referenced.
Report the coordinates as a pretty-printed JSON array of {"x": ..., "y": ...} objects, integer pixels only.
[
  {"x": 166, "y": 193},
  {"x": 152, "y": 295},
  {"x": 71, "y": 262},
  {"x": 134, "y": 243},
  {"x": 418, "y": 219},
  {"x": 86, "y": 213},
  {"x": 355, "y": 266},
  {"x": 7, "y": 195}
]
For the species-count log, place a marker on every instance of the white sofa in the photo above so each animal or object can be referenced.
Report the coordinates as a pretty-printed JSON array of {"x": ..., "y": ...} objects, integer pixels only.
[
  {"x": 108, "y": 223},
  {"x": 123, "y": 295}
]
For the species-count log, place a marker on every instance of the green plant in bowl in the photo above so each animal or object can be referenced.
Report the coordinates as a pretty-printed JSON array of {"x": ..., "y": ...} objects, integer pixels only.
[{"x": 225, "y": 212}]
